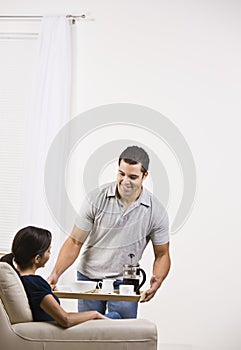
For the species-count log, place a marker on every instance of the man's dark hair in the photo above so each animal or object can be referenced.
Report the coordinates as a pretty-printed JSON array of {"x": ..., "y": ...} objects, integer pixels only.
[{"x": 135, "y": 155}]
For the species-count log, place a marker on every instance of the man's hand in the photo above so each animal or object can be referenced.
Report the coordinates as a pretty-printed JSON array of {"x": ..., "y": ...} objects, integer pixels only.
[
  {"x": 154, "y": 285},
  {"x": 161, "y": 268},
  {"x": 53, "y": 280}
]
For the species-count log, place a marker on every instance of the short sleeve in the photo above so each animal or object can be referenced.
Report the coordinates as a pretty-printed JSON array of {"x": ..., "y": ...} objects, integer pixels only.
[
  {"x": 160, "y": 230},
  {"x": 85, "y": 217},
  {"x": 36, "y": 289},
  {"x": 38, "y": 286}
]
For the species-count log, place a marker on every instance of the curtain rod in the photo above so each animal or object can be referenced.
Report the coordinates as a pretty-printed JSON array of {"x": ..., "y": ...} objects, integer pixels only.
[{"x": 73, "y": 17}]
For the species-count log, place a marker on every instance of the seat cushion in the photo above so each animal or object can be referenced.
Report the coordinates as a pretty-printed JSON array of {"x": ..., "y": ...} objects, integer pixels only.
[
  {"x": 128, "y": 330},
  {"x": 13, "y": 295}
]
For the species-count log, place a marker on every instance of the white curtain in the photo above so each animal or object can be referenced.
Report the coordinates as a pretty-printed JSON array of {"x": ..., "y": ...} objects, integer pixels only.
[{"x": 50, "y": 111}]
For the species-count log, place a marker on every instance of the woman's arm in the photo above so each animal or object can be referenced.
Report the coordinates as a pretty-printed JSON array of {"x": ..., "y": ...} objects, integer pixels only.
[{"x": 67, "y": 319}]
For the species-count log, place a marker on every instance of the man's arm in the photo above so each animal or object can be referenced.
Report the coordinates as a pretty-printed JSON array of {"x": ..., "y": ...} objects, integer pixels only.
[
  {"x": 67, "y": 255},
  {"x": 161, "y": 268}
]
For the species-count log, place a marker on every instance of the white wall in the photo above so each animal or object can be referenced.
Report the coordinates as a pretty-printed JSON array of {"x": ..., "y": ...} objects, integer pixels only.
[{"x": 181, "y": 58}]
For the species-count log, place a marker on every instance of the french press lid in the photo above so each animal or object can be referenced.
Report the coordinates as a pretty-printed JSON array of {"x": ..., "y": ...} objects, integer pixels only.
[{"x": 131, "y": 255}]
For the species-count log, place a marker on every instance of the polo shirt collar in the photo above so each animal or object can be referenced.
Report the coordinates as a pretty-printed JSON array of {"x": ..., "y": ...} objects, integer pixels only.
[
  {"x": 145, "y": 197},
  {"x": 111, "y": 190}
]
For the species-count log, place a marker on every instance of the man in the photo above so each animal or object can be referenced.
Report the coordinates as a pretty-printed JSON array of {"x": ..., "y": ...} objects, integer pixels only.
[{"x": 115, "y": 221}]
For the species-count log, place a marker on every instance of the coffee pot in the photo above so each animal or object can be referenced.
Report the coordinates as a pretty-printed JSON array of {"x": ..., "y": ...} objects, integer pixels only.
[{"x": 132, "y": 275}]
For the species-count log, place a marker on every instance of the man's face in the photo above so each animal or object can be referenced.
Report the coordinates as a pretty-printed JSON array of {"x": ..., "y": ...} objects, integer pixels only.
[{"x": 129, "y": 180}]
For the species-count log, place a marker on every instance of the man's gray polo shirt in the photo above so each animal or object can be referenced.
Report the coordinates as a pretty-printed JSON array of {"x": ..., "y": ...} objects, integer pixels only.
[{"x": 114, "y": 232}]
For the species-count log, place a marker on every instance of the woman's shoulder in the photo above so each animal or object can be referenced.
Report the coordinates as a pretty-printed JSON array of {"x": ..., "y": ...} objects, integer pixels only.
[{"x": 35, "y": 280}]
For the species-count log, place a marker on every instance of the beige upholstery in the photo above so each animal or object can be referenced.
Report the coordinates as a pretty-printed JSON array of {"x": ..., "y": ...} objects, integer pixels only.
[
  {"x": 11, "y": 293},
  {"x": 132, "y": 334}
]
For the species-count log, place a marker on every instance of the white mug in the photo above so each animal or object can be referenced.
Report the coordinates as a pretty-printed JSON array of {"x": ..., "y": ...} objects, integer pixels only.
[
  {"x": 106, "y": 286},
  {"x": 126, "y": 289}
]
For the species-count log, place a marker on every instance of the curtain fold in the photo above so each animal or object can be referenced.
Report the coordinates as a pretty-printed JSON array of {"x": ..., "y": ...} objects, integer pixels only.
[{"x": 49, "y": 112}]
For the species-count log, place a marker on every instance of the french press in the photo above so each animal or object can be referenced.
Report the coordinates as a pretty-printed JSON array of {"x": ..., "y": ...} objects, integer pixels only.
[{"x": 132, "y": 275}]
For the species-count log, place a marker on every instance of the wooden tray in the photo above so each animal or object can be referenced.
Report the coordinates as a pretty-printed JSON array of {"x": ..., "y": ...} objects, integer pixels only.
[{"x": 95, "y": 295}]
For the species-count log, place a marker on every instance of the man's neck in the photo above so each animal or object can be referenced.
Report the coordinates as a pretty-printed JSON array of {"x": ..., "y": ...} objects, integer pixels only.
[{"x": 129, "y": 201}]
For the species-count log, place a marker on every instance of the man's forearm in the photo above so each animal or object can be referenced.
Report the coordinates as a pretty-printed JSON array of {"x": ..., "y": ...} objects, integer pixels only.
[
  {"x": 161, "y": 267},
  {"x": 67, "y": 255}
]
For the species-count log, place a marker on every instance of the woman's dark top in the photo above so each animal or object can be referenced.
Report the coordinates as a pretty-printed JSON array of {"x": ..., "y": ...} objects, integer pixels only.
[{"x": 36, "y": 289}]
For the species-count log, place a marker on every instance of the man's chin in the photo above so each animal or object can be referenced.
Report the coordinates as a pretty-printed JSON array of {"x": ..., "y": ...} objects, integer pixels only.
[{"x": 126, "y": 194}]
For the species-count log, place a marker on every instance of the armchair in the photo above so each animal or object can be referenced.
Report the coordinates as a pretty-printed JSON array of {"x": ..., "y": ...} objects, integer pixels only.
[{"x": 19, "y": 331}]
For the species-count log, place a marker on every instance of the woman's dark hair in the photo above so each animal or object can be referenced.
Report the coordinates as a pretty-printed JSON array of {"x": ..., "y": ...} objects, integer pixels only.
[{"x": 27, "y": 243}]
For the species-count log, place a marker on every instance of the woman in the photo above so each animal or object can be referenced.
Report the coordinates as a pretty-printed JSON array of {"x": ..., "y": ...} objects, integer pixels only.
[{"x": 30, "y": 251}]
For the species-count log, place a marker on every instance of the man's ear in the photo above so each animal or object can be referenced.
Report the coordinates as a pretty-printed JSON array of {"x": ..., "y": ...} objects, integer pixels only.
[{"x": 145, "y": 175}]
